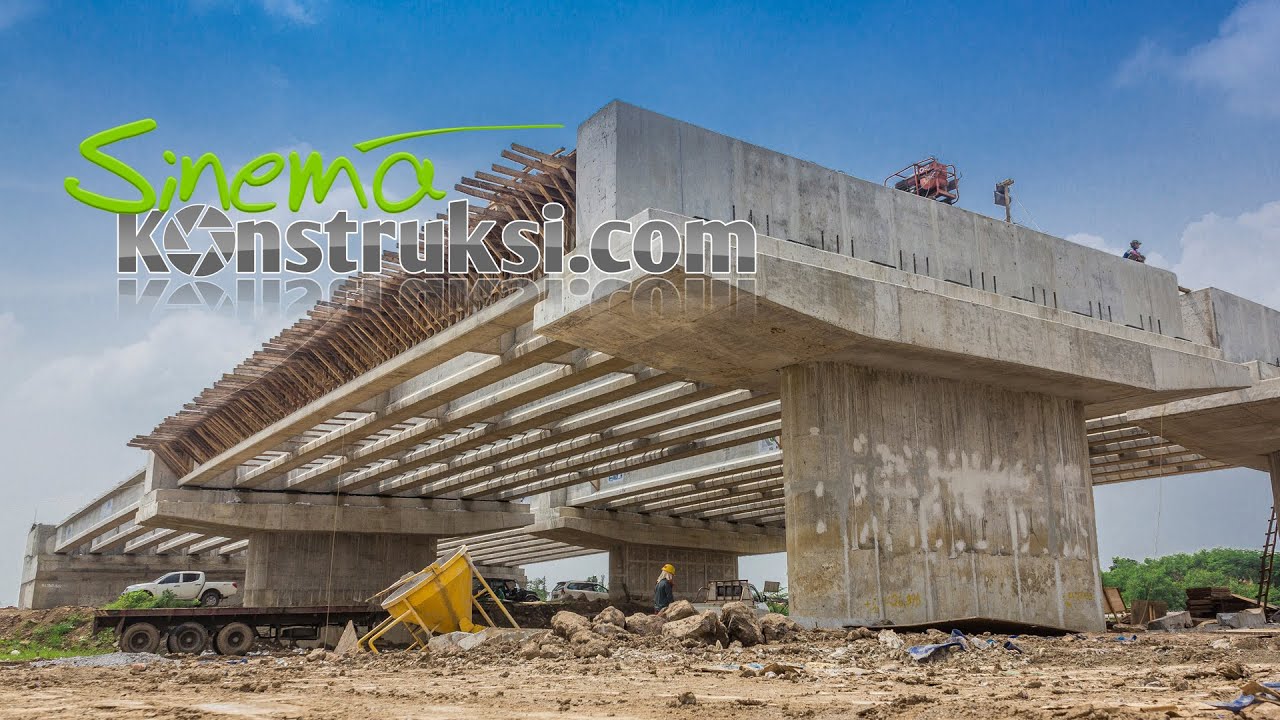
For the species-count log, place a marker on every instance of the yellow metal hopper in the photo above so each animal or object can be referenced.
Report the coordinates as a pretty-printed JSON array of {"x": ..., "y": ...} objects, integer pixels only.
[{"x": 436, "y": 599}]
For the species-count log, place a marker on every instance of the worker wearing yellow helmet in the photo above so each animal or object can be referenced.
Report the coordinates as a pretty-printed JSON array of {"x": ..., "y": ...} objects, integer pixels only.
[{"x": 665, "y": 591}]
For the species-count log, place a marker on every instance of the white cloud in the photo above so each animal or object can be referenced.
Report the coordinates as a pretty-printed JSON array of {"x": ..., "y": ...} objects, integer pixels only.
[
  {"x": 1146, "y": 62},
  {"x": 1241, "y": 64},
  {"x": 1243, "y": 61},
  {"x": 1238, "y": 254},
  {"x": 300, "y": 12},
  {"x": 180, "y": 354},
  {"x": 10, "y": 331},
  {"x": 13, "y": 12},
  {"x": 291, "y": 10},
  {"x": 1099, "y": 243},
  {"x": 66, "y": 421}
]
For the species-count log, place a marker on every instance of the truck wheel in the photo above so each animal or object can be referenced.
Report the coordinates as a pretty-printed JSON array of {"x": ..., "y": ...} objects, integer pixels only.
[
  {"x": 140, "y": 638},
  {"x": 234, "y": 639},
  {"x": 189, "y": 637},
  {"x": 210, "y": 598}
]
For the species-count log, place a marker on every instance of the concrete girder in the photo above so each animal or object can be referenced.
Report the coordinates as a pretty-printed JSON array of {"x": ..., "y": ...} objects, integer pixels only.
[
  {"x": 727, "y": 508},
  {"x": 655, "y": 392},
  {"x": 521, "y": 356},
  {"x": 502, "y": 459},
  {"x": 627, "y": 395},
  {"x": 1155, "y": 456},
  {"x": 681, "y": 504},
  {"x": 1240, "y": 427},
  {"x": 763, "y": 508},
  {"x": 604, "y": 529},
  {"x": 207, "y": 544},
  {"x": 179, "y": 542},
  {"x": 474, "y": 333},
  {"x": 147, "y": 542},
  {"x": 502, "y": 489},
  {"x": 517, "y": 555},
  {"x": 567, "y": 431},
  {"x": 614, "y": 498},
  {"x": 1160, "y": 471},
  {"x": 571, "y": 552},
  {"x": 238, "y": 513},
  {"x": 88, "y": 534},
  {"x": 512, "y": 545},
  {"x": 456, "y": 542},
  {"x": 679, "y": 494},
  {"x": 456, "y": 416},
  {"x": 118, "y": 540},
  {"x": 643, "y": 437},
  {"x": 233, "y": 547}
]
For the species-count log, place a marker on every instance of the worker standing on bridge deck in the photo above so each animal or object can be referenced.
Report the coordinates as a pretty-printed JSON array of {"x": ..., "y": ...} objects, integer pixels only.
[
  {"x": 664, "y": 592},
  {"x": 1133, "y": 253}
]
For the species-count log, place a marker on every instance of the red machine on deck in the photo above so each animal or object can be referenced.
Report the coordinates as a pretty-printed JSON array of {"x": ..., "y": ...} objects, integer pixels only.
[{"x": 928, "y": 178}]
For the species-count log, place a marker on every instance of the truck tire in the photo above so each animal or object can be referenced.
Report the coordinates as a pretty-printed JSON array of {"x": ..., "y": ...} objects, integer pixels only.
[
  {"x": 189, "y": 637},
  {"x": 140, "y": 637},
  {"x": 234, "y": 639},
  {"x": 210, "y": 598}
]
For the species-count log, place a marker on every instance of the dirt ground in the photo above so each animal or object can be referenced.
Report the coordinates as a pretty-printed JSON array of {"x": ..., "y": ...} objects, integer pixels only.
[{"x": 839, "y": 676}]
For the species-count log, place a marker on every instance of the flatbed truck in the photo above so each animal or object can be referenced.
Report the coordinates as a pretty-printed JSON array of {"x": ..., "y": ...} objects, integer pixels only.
[{"x": 230, "y": 630}]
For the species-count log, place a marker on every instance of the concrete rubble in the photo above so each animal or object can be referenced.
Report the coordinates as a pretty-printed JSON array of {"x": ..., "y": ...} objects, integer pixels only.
[
  {"x": 1179, "y": 620},
  {"x": 814, "y": 674},
  {"x": 1242, "y": 620}
]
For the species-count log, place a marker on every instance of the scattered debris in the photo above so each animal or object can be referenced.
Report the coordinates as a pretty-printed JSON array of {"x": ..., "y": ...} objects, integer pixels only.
[
  {"x": 1180, "y": 620},
  {"x": 740, "y": 623},
  {"x": 705, "y": 629},
  {"x": 643, "y": 624},
  {"x": 678, "y": 610},
  {"x": 778, "y": 627},
  {"x": 890, "y": 639},
  {"x": 1244, "y": 619},
  {"x": 612, "y": 616}
]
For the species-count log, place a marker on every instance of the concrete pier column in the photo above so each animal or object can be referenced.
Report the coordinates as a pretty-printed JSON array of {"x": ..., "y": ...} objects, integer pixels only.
[
  {"x": 917, "y": 499},
  {"x": 316, "y": 568},
  {"x": 634, "y": 568}
]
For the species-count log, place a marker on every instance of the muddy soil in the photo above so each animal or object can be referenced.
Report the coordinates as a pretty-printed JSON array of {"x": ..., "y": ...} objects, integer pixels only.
[{"x": 1155, "y": 675}]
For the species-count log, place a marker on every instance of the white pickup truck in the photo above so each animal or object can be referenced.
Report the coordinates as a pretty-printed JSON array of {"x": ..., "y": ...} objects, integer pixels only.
[
  {"x": 189, "y": 585},
  {"x": 715, "y": 594}
]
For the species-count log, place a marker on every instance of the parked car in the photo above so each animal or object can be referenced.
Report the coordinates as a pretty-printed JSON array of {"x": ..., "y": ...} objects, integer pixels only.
[
  {"x": 508, "y": 590},
  {"x": 578, "y": 590},
  {"x": 188, "y": 585}
]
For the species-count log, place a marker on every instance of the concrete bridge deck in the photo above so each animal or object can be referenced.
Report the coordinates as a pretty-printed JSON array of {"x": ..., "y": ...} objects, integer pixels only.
[{"x": 577, "y": 426}]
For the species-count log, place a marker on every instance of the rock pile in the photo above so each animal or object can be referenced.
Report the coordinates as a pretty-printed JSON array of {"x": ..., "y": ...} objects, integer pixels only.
[{"x": 736, "y": 622}]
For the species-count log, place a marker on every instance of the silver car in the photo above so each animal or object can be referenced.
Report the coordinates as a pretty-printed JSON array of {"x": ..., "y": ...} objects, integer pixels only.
[{"x": 578, "y": 590}]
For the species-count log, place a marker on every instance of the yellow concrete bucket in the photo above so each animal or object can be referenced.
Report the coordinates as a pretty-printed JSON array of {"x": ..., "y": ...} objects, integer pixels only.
[{"x": 437, "y": 599}]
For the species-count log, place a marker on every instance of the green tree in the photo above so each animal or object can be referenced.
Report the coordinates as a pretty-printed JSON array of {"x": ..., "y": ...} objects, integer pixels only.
[
  {"x": 539, "y": 587},
  {"x": 1167, "y": 578}
]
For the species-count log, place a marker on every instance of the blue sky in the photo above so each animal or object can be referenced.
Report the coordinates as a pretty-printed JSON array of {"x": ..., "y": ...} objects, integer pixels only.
[{"x": 1139, "y": 120}]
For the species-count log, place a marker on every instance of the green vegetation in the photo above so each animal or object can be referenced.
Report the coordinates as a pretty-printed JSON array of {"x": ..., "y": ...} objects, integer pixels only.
[
  {"x": 779, "y": 602},
  {"x": 538, "y": 586},
  {"x": 66, "y": 637},
  {"x": 1167, "y": 578},
  {"x": 142, "y": 600}
]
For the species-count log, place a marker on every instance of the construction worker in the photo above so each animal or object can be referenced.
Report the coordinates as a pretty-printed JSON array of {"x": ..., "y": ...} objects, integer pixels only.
[
  {"x": 664, "y": 592},
  {"x": 1133, "y": 253}
]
